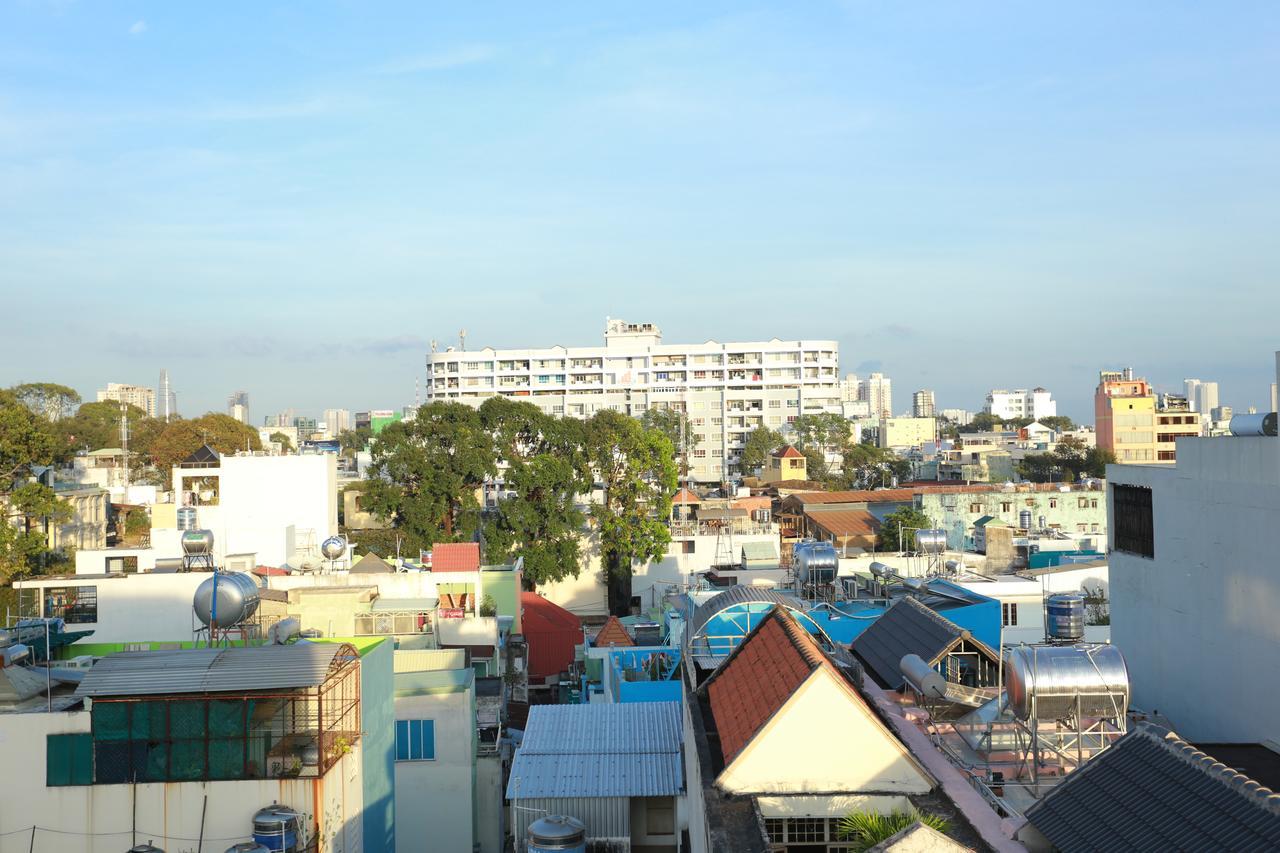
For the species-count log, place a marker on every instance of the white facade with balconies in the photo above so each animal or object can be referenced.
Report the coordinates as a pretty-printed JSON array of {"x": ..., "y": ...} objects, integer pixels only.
[{"x": 725, "y": 389}]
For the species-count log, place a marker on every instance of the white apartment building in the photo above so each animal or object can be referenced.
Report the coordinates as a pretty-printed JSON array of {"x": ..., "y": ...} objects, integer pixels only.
[
  {"x": 1201, "y": 396},
  {"x": 135, "y": 395},
  {"x": 960, "y": 417},
  {"x": 877, "y": 391},
  {"x": 725, "y": 389},
  {"x": 1021, "y": 403},
  {"x": 336, "y": 421}
]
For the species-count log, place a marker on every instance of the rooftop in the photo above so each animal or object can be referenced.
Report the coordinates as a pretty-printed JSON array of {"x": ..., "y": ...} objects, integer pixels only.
[
  {"x": 906, "y": 628},
  {"x": 1154, "y": 791},
  {"x": 455, "y": 557}
]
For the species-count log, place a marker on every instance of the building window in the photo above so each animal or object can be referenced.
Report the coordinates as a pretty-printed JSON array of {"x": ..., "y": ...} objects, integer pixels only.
[
  {"x": 975, "y": 508},
  {"x": 68, "y": 759},
  {"x": 1053, "y": 503},
  {"x": 1093, "y": 503},
  {"x": 415, "y": 740},
  {"x": 1008, "y": 614},
  {"x": 688, "y": 546},
  {"x": 1134, "y": 524},
  {"x": 1006, "y": 506},
  {"x": 75, "y": 604}
]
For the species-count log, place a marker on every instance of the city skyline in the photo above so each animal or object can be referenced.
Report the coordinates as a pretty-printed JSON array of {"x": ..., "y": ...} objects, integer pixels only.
[{"x": 331, "y": 199}]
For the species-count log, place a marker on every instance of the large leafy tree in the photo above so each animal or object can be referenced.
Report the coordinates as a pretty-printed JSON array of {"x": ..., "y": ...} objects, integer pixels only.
[
  {"x": 676, "y": 427},
  {"x": 180, "y": 438},
  {"x": 352, "y": 441},
  {"x": 636, "y": 467},
  {"x": 817, "y": 435},
  {"x": 97, "y": 425},
  {"x": 47, "y": 399},
  {"x": 761, "y": 442},
  {"x": 26, "y": 441},
  {"x": 426, "y": 473},
  {"x": 897, "y": 530},
  {"x": 867, "y": 466}
]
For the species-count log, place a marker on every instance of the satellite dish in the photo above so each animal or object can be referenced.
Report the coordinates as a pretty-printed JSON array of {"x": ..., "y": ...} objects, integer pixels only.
[{"x": 305, "y": 562}]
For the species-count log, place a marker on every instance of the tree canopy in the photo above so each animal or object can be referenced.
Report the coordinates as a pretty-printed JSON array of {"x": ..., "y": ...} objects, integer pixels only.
[
  {"x": 97, "y": 425},
  {"x": 180, "y": 438},
  {"x": 897, "y": 530},
  {"x": 1070, "y": 459},
  {"x": 760, "y": 443},
  {"x": 27, "y": 441},
  {"x": 816, "y": 435},
  {"x": 676, "y": 427},
  {"x": 47, "y": 399},
  {"x": 867, "y": 466},
  {"x": 282, "y": 440}
]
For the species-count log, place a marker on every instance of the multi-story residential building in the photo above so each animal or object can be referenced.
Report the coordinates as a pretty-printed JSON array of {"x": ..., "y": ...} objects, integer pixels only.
[
  {"x": 337, "y": 421},
  {"x": 960, "y": 417},
  {"x": 135, "y": 395},
  {"x": 922, "y": 404},
  {"x": 907, "y": 432},
  {"x": 1021, "y": 403},
  {"x": 1137, "y": 425},
  {"x": 877, "y": 391},
  {"x": 849, "y": 387},
  {"x": 725, "y": 389},
  {"x": 238, "y": 406},
  {"x": 1201, "y": 396}
]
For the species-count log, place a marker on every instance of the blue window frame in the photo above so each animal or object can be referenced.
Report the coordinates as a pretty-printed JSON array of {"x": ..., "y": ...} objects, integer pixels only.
[{"x": 415, "y": 740}]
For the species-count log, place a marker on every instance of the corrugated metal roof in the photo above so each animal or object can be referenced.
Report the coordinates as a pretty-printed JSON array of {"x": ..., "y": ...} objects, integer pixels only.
[
  {"x": 735, "y": 595},
  {"x": 1154, "y": 791},
  {"x": 759, "y": 551},
  {"x": 229, "y": 670},
  {"x": 611, "y": 750},
  {"x": 844, "y": 522}
]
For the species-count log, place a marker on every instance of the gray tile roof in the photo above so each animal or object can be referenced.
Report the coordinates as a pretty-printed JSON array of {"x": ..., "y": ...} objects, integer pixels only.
[
  {"x": 610, "y": 750},
  {"x": 218, "y": 670},
  {"x": 906, "y": 628},
  {"x": 1153, "y": 791}
]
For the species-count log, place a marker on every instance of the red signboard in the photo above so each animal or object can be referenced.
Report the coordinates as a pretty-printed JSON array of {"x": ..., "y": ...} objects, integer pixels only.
[{"x": 452, "y": 613}]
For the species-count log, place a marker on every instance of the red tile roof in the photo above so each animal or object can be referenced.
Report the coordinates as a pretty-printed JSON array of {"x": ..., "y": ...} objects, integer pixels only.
[
  {"x": 455, "y": 557},
  {"x": 613, "y": 634},
  {"x": 758, "y": 678},
  {"x": 788, "y": 452},
  {"x": 685, "y": 496},
  {"x": 551, "y": 632}
]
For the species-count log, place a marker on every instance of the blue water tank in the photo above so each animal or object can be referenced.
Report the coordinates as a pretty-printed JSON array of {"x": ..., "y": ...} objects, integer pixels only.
[
  {"x": 276, "y": 828},
  {"x": 557, "y": 834}
]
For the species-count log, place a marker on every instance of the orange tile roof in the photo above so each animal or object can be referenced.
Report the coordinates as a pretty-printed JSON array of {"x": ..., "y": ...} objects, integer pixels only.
[
  {"x": 613, "y": 634},
  {"x": 455, "y": 557},
  {"x": 844, "y": 522},
  {"x": 758, "y": 678},
  {"x": 685, "y": 496},
  {"x": 788, "y": 452}
]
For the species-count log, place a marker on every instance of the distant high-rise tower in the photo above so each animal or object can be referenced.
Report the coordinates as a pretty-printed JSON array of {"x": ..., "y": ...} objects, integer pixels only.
[
  {"x": 135, "y": 395},
  {"x": 238, "y": 406},
  {"x": 877, "y": 390},
  {"x": 166, "y": 400},
  {"x": 922, "y": 405}
]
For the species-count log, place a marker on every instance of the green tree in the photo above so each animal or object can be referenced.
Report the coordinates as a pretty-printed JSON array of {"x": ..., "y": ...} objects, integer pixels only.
[
  {"x": 180, "y": 438},
  {"x": 866, "y": 466},
  {"x": 817, "y": 435},
  {"x": 867, "y": 829},
  {"x": 1096, "y": 460},
  {"x": 97, "y": 425},
  {"x": 282, "y": 439},
  {"x": 352, "y": 441},
  {"x": 26, "y": 441},
  {"x": 983, "y": 422},
  {"x": 47, "y": 399},
  {"x": 676, "y": 427},
  {"x": 636, "y": 467},
  {"x": 897, "y": 530},
  {"x": 760, "y": 444},
  {"x": 1058, "y": 423},
  {"x": 426, "y": 473}
]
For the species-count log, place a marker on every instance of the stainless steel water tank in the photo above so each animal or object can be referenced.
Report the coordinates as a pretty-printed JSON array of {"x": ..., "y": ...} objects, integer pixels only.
[
  {"x": 333, "y": 548},
  {"x": 186, "y": 518},
  {"x": 1065, "y": 613},
  {"x": 197, "y": 542},
  {"x": 237, "y": 598},
  {"x": 1024, "y": 519},
  {"x": 557, "y": 833},
  {"x": 931, "y": 541},
  {"x": 817, "y": 563},
  {"x": 1052, "y": 677},
  {"x": 1255, "y": 424},
  {"x": 926, "y": 680}
]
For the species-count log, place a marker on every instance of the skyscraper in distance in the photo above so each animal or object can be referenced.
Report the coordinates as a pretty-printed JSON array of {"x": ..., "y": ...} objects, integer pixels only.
[
  {"x": 166, "y": 399},
  {"x": 238, "y": 406}
]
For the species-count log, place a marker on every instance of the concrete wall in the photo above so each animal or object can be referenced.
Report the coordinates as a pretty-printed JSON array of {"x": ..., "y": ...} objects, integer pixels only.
[
  {"x": 100, "y": 818},
  {"x": 957, "y": 512},
  {"x": 136, "y": 607},
  {"x": 1197, "y": 623},
  {"x": 378, "y": 746},
  {"x": 491, "y": 817},
  {"x": 435, "y": 799}
]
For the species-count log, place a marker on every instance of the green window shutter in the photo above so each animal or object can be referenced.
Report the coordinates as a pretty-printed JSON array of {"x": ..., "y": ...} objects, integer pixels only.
[{"x": 69, "y": 759}]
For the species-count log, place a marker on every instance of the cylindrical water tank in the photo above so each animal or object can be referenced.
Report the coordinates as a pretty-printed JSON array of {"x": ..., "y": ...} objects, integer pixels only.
[
  {"x": 1024, "y": 519},
  {"x": 926, "y": 680},
  {"x": 1255, "y": 424},
  {"x": 333, "y": 548},
  {"x": 557, "y": 833},
  {"x": 1065, "y": 612},
  {"x": 1054, "y": 677},
  {"x": 817, "y": 563},
  {"x": 197, "y": 542},
  {"x": 248, "y": 847},
  {"x": 186, "y": 518},
  {"x": 880, "y": 570},
  {"x": 276, "y": 828},
  {"x": 931, "y": 541},
  {"x": 145, "y": 848},
  {"x": 237, "y": 598}
]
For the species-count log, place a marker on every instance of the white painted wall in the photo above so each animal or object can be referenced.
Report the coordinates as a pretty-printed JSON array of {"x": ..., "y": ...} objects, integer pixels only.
[
  {"x": 94, "y": 561},
  {"x": 1197, "y": 624},
  {"x": 167, "y": 814},
  {"x": 824, "y": 740},
  {"x": 435, "y": 799},
  {"x": 133, "y": 608}
]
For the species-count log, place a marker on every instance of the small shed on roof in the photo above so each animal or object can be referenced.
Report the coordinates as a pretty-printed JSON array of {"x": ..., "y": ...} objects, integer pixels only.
[
  {"x": 1153, "y": 791},
  {"x": 787, "y": 451},
  {"x": 455, "y": 557},
  {"x": 202, "y": 455},
  {"x": 552, "y": 634},
  {"x": 614, "y": 633},
  {"x": 759, "y": 554},
  {"x": 911, "y": 628},
  {"x": 371, "y": 563}
]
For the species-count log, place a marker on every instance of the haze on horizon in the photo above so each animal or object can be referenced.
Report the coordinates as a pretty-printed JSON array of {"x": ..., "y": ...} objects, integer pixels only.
[{"x": 294, "y": 199}]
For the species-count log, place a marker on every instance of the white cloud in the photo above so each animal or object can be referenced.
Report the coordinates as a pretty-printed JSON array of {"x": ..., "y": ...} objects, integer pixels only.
[
  {"x": 138, "y": 28},
  {"x": 454, "y": 58}
]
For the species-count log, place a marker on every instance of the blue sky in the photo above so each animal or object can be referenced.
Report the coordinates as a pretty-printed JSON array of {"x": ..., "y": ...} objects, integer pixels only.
[{"x": 294, "y": 199}]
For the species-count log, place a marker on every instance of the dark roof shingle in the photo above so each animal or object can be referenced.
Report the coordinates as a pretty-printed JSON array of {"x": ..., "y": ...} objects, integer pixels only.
[
  {"x": 906, "y": 628},
  {"x": 1154, "y": 791}
]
